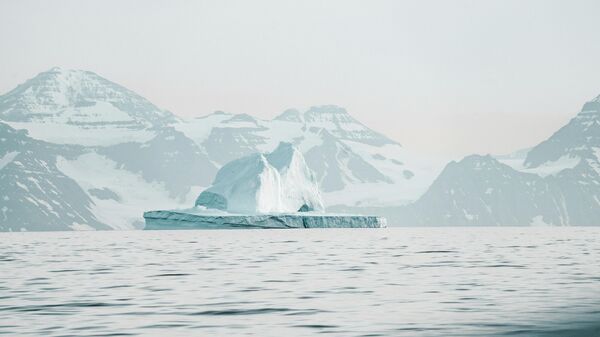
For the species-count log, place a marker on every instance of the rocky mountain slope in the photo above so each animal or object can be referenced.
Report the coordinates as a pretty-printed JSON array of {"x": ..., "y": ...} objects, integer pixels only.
[{"x": 35, "y": 194}]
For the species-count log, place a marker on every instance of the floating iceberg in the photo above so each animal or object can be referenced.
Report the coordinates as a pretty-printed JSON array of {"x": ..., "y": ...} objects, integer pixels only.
[
  {"x": 273, "y": 190},
  {"x": 277, "y": 182},
  {"x": 197, "y": 218}
]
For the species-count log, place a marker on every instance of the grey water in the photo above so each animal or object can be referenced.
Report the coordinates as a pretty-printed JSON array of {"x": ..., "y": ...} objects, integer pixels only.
[{"x": 335, "y": 282}]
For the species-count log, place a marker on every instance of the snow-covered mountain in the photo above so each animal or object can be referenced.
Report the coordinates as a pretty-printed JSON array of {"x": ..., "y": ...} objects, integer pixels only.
[
  {"x": 79, "y": 152},
  {"x": 554, "y": 183},
  {"x": 354, "y": 164},
  {"x": 109, "y": 154},
  {"x": 580, "y": 139},
  {"x": 480, "y": 190},
  {"x": 35, "y": 194},
  {"x": 80, "y": 107}
]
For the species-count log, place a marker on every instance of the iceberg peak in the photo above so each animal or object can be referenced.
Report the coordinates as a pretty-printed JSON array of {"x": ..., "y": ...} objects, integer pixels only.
[{"x": 276, "y": 182}]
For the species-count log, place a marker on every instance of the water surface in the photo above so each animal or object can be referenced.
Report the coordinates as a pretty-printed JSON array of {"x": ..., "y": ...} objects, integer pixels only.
[{"x": 337, "y": 282}]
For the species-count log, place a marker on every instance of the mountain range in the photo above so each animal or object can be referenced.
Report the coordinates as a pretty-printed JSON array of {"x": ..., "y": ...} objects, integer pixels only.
[
  {"x": 81, "y": 152},
  {"x": 556, "y": 182}
]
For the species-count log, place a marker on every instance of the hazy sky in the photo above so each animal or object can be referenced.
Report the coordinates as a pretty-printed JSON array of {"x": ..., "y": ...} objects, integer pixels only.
[{"x": 441, "y": 77}]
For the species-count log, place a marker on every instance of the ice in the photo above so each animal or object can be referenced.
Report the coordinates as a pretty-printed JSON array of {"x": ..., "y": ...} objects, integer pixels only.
[
  {"x": 276, "y": 182},
  {"x": 273, "y": 190},
  {"x": 549, "y": 168},
  {"x": 101, "y": 135},
  {"x": 538, "y": 221},
  {"x": 194, "y": 219},
  {"x": 133, "y": 194},
  {"x": 7, "y": 158}
]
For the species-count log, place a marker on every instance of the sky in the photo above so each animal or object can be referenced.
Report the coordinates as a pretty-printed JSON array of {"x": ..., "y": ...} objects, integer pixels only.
[{"x": 444, "y": 78}]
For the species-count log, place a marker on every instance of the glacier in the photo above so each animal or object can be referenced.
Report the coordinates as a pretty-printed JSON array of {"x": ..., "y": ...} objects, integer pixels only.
[{"x": 261, "y": 190}]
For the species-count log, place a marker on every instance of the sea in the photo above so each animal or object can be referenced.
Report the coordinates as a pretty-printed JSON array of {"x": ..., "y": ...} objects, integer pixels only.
[{"x": 488, "y": 281}]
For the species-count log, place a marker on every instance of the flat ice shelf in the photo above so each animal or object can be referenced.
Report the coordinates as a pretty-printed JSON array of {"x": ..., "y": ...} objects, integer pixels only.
[{"x": 180, "y": 219}]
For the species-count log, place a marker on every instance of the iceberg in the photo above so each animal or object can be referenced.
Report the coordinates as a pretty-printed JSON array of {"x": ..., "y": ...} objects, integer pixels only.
[
  {"x": 272, "y": 190},
  {"x": 196, "y": 218},
  {"x": 261, "y": 183}
]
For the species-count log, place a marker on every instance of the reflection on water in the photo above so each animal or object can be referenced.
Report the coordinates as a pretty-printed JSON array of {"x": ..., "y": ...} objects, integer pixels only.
[{"x": 375, "y": 282}]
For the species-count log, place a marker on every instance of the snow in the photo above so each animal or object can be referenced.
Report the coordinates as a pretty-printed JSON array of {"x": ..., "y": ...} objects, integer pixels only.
[
  {"x": 60, "y": 133},
  {"x": 306, "y": 134},
  {"x": 80, "y": 107},
  {"x": 92, "y": 170},
  {"x": 469, "y": 216},
  {"x": 60, "y": 94},
  {"x": 278, "y": 182},
  {"x": 280, "y": 130},
  {"x": 81, "y": 227},
  {"x": 98, "y": 112},
  {"x": 22, "y": 186},
  {"x": 546, "y": 169},
  {"x": 403, "y": 190},
  {"x": 368, "y": 194},
  {"x": 538, "y": 221},
  {"x": 7, "y": 158},
  {"x": 596, "y": 163},
  {"x": 198, "y": 129},
  {"x": 309, "y": 140}
]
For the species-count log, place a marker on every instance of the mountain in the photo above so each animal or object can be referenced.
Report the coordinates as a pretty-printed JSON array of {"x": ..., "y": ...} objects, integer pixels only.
[
  {"x": 354, "y": 164},
  {"x": 80, "y": 98},
  {"x": 557, "y": 182},
  {"x": 109, "y": 154},
  {"x": 81, "y": 152},
  {"x": 113, "y": 151},
  {"x": 80, "y": 107},
  {"x": 169, "y": 158},
  {"x": 36, "y": 195},
  {"x": 580, "y": 138}
]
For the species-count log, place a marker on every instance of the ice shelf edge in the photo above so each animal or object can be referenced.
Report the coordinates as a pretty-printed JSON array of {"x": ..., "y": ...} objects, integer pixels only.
[{"x": 164, "y": 220}]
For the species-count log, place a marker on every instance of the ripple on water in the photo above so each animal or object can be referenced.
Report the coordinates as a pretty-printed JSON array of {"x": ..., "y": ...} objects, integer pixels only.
[{"x": 392, "y": 282}]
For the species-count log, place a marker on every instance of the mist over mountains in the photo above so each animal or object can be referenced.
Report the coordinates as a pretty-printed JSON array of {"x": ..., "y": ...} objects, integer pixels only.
[{"x": 81, "y": 152}]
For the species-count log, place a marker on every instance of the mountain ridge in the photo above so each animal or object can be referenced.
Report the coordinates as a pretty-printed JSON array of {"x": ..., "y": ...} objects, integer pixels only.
[{"x": 108, "y": 154}]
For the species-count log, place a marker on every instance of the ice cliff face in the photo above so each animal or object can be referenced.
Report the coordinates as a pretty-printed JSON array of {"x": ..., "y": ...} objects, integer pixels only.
[
  {"x": 193, "y": 219},
  {"x": 277, "y": 182}
]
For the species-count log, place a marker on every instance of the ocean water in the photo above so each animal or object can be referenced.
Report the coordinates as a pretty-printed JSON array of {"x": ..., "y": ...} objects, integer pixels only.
[{"x": 335, "y": 282}]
